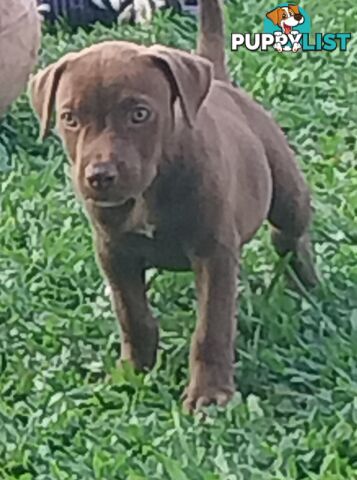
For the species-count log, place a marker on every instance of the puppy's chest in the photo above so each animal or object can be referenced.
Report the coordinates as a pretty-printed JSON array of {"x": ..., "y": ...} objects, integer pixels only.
[
  {"x": 142, "y": 220},
  {"x": 162, "y": 218},
  {"x": 157, "y": 237},
  {"x": 168, "y": 212},
  {"x": 147, "y": 219},
  {"x": 116, "y": 222},
  {"x": 170, "y": 207}
]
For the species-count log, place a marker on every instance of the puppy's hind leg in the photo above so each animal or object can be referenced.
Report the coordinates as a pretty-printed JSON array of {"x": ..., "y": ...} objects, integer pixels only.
[{"x": 290, "y": 215}]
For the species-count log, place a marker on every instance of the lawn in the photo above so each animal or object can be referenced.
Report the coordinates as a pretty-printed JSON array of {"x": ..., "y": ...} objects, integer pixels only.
[{"x": 67, "y": 413}]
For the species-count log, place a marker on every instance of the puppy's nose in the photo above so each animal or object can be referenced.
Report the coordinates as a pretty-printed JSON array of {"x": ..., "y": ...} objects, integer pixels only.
[
  {"x": 101, "y": 175},
  {"x": 298, "y": 16}
]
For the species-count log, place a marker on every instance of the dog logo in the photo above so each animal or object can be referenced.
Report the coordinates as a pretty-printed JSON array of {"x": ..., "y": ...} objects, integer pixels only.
[
  {"x": 287, "y": 19},
  {"x": 287, "y": 28}
]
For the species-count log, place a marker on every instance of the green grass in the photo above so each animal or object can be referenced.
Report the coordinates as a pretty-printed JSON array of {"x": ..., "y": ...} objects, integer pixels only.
[{"x": 296, "y": 414}]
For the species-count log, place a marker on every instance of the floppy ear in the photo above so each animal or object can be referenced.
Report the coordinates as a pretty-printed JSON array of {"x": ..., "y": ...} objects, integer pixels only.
[
  {"x": 294, "y": 8},
  {"x": 274, "y": 15},
  {"x": 42, "y": 89},
  {"x": 190, "y": 75}
]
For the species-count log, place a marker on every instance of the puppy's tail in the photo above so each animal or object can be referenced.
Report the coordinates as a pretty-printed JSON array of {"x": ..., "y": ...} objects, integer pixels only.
[{"x": 211, "y": 41}]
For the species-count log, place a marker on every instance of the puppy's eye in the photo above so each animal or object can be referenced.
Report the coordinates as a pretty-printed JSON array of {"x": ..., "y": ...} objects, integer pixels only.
[
  {"x": 70, "y": 120},
  {"x": 284, "y": 16},
  {"x": 139, "y": 115}
]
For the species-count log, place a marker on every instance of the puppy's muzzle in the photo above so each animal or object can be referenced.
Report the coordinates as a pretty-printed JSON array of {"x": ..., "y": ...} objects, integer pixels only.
[{"x": 101, "y": 176}]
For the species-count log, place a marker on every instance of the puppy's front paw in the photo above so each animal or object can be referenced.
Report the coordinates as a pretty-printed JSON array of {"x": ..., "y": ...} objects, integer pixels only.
[
  {"x": 296, "y": 47},
  {"x": 141, "y": 351},
  {"x": 209, "y": 384},
  {"x": 278, "y": 47}
]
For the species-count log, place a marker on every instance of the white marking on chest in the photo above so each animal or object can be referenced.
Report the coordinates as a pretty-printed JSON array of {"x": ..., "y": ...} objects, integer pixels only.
[
  {"x": 139, "y": 221},
  {"x": 147, "y": 230}
]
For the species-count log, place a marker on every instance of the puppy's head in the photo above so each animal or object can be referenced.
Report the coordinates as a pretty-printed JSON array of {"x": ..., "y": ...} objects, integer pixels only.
[
  {"x": 286, "y": 17},
  {"x": 114, "y": 111}
]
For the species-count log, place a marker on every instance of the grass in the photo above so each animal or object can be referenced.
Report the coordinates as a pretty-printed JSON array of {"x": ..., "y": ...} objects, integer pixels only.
[{"x": 295, "y": 417}]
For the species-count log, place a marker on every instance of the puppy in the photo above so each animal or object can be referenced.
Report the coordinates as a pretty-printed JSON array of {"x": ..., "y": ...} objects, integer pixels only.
[
  {"x": 178, "y": 170},
  {"x": 286, "y": 18}
]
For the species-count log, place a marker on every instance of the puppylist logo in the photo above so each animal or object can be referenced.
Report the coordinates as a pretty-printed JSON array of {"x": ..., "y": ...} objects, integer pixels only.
[{"x": 287, "y": 28}]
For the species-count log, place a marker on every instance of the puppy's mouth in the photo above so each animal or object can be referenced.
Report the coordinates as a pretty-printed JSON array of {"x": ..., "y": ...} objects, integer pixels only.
[
  {"x": 287, "y": 28},
  {"x": 122, "y": 204}
]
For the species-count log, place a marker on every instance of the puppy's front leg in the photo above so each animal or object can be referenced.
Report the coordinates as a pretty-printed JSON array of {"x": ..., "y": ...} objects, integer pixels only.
[
  {"x": 212, "y": 349},
  {"x": 139, "y": 329}
]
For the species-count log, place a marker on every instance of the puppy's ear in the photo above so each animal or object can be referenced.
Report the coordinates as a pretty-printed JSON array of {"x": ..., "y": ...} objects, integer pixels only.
[
  {"x": 294, "y": 8},
  {"x": 42, "y": 89},
  {"x": 274, "y": 15},
  {"x": 190, "y": 75}
]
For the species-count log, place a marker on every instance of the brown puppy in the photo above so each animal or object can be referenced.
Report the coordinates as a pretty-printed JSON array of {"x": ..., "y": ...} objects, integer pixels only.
[{"x": 176, "y": 170}]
